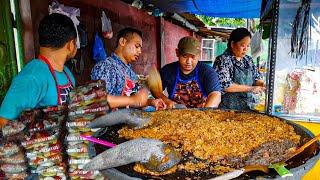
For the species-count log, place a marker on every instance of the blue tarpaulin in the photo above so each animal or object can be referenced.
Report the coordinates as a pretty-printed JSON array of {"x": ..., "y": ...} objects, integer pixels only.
[{"x": 214, "y": 8}]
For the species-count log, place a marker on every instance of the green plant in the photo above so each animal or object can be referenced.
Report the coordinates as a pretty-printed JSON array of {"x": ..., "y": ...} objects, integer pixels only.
[{"x": 226, "y": 22}]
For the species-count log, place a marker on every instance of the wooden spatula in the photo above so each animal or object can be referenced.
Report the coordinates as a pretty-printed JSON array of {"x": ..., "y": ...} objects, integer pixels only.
[
  {"x": 238, "y": 172},
  {"x": 280, "y": 166},
  {"x": 154, "y": 80},
  {"x": 302, "y": 148}
]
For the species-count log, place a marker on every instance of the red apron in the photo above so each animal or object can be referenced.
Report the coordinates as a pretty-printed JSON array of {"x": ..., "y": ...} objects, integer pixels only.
[{"x": 62, "y": 90}]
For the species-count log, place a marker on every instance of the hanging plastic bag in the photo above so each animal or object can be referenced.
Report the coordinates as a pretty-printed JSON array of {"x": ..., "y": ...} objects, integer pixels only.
[
  {"x": 98, "y": 52},
  {"x": 106, "y": 26},
  {"x": 71, "y": 12}
]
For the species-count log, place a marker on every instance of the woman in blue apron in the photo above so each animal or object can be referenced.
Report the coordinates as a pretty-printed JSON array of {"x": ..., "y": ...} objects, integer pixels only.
[{"x": 238, "y": 75}]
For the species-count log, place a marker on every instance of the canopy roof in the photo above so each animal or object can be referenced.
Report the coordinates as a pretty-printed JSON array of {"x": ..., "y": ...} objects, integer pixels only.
[{"x": 213, "y": 8}]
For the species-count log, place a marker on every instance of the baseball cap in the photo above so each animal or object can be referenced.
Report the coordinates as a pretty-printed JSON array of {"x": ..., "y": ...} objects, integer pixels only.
[{"x": 189, "y": 45}]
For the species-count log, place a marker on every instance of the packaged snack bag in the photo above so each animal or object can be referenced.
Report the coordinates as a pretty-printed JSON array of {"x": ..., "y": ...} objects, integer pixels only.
[
  {"x": 12, "y": 128},
  {"x": 20, "y": 176},
  {"x": 88, "y": 91},
  {"x": 13, "y": 168},
  {"x": 14, "y": 159},
  {"x": 40, "y": 138},
  {"x": 8, "y": 149}
]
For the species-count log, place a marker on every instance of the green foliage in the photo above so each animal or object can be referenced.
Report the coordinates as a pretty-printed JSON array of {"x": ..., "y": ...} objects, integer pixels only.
[
  {"x": 225, "y": 22},
  {"x": 206, "y": 20}
]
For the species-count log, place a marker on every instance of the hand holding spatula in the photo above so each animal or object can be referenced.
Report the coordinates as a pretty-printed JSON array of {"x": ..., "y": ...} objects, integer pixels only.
[{"x": 154, "y": 84}]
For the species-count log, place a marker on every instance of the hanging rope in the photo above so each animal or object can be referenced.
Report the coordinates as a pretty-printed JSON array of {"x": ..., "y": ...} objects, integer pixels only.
[{"x": 300, "y": 31}]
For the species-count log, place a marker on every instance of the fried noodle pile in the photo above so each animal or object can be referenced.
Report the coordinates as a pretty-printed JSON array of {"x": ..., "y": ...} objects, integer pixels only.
[{"x": 214, "y": 135}]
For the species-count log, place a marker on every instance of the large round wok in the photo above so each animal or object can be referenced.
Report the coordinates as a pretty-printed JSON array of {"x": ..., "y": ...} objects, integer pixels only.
[{"x": 298, "y": 165}]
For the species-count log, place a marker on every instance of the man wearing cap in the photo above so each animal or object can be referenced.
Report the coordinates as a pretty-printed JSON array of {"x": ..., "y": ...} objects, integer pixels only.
[{"x": 188, "y": 81}]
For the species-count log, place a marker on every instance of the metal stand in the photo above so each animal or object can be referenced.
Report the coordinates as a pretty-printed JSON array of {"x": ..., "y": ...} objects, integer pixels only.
[{"x": 272, "y": 57}]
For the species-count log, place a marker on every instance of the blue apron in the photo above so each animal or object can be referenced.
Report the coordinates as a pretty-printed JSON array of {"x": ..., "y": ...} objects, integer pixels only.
[
  {"x": 188, "y": 92},
  {"x": 238, "y": 100}
]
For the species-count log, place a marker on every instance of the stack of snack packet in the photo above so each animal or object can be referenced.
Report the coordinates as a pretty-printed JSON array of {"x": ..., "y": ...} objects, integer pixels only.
[
  {"x": 85, "y": 104},
  {"x": 44, "y": 149},
  {"x": 12, "y": 157}
]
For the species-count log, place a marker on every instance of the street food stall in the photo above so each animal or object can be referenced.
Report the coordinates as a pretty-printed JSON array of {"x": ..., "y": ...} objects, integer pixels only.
[
  {"x": 85, "y": 140},
  {"x": 293, "y": 63}
]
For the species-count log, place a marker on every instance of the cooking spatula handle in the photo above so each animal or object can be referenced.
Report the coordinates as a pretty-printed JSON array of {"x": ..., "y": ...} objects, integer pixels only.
[
  {"x": 230, "y": 175},
  {"x": 98, "y": 141},
  {"x": 302, "y": 148}
]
